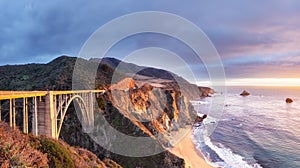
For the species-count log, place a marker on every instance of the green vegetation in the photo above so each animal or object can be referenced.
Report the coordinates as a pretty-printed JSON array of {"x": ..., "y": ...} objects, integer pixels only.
[
  {"x": 55, "y": 75},
  {"x": 101, "y": 103},
  {"x": 58, "y": 155}
]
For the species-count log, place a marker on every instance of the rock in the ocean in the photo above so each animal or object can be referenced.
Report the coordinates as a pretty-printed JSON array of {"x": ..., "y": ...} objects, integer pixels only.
[
  {"x": 245, "y": 93},
  {"x": 289, "y": 100}
]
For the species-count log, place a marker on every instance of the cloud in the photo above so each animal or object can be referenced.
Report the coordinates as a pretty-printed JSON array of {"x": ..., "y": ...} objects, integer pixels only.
[
  {"x": 35, "y": 29},
  {"x": 249, "y": 35},
  {"x": 279, "y": 66}
]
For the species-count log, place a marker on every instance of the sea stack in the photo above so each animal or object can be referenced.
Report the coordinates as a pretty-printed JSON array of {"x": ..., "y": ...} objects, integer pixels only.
[
  {"x": 289, "y": 100},
  {"x": 245, "y": 93}
]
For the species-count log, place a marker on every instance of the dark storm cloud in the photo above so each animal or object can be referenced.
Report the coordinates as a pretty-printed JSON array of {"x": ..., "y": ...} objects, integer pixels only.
[
  {"x": 36, "y": 31},
  {"x": 28, "y": 33}
]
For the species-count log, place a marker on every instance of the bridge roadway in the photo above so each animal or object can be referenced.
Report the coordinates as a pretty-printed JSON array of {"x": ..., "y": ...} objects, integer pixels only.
[{"x": 48, "y": 109}]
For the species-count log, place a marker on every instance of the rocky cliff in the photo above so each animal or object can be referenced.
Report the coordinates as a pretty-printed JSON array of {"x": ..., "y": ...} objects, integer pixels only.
[
  {"x": 144, "y": 111},
  {"x": 162, "y": 109}
]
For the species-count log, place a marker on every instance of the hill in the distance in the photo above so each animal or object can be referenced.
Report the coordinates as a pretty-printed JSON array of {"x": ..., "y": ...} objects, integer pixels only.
[{"x": 57, "y": 75}]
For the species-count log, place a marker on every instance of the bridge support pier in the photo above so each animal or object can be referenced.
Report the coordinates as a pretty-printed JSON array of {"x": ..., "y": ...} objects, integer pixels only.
[
  {"x": 12, "y": 113},
  {"x": 25, "y": 115},
  {"x": 0, "y": 111},
  {"x": 50, "y": 128},
  {"x": 46, "y": 116}
]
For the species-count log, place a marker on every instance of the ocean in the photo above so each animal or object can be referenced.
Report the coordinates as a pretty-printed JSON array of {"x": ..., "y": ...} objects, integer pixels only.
[{"x": 260, "y": 130}]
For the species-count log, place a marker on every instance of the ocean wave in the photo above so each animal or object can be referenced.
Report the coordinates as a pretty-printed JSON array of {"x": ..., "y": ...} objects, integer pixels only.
[
  {"x": 218, "y": 156},
  {"x": 198, "y": 102}
]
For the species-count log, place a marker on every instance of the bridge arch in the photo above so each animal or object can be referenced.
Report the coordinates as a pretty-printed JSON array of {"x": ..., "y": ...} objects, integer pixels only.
[{"x": 86, "y": 113}]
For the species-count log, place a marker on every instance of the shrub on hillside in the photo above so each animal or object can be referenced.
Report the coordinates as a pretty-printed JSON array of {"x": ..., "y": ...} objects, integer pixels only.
[
  {"x": 16, "y": 150},
  {"x": 58, "y": 155},
  {"x": 111, "y": 163}
]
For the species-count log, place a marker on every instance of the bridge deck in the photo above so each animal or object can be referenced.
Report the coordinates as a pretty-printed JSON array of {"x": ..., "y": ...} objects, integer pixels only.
[{"x": 4, "y": 95}]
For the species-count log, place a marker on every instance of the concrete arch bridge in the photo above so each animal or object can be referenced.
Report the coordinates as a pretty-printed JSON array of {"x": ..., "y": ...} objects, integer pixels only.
[{"x": 48, "y": 109}]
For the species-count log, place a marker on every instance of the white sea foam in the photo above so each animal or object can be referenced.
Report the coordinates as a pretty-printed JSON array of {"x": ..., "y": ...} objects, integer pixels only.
[
  {"x": 193, "y": 102},
  {"x": 231, "y": 159}
]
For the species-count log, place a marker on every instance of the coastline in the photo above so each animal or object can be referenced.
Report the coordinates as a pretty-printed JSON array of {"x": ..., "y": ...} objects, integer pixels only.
[{"x": 187, "y": 151}]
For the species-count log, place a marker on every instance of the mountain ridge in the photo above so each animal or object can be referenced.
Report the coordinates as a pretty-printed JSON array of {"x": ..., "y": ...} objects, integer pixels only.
[{"x": 58, "y": 73}]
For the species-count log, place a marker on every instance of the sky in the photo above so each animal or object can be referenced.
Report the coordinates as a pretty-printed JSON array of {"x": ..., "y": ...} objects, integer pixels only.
[{"x": 255, "y": 39}]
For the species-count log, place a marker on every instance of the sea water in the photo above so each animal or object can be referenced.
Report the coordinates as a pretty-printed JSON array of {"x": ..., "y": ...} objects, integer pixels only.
[{"x": 260, "y": 130}]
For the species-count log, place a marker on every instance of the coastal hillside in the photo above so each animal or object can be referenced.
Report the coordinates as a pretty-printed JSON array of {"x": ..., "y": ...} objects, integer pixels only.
[
  {"x": 19, "y": 150},
  {"x": 55, "y": 75},
  {"x": 130, "y": 68},
  {"x": 156, "y": 77},
  {"x": 152, "y": 103},
  {"x": 143, "y": 111}
]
